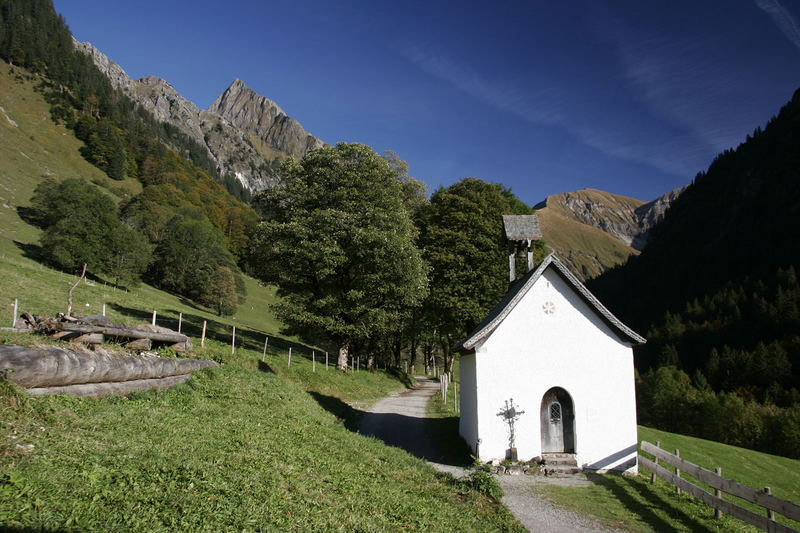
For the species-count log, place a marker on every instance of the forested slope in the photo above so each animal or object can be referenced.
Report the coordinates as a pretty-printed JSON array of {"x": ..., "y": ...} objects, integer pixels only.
[{"x": 716, "y": 291}]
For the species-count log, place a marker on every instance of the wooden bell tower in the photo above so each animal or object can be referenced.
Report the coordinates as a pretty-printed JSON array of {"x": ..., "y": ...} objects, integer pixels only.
[{"x": 521, "y": 231}]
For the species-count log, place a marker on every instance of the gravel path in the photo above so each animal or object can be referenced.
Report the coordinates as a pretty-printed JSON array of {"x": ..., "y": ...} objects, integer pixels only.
[{"x": 399, "y": 420}]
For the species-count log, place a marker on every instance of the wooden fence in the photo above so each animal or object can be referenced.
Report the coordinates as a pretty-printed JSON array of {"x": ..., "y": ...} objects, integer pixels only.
[{"x": 715, "y": 480}]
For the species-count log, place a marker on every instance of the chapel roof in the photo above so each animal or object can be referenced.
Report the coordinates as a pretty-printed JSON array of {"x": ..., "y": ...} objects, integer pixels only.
[
  {"x": 522, "y": 286},
  {"x": 522, "y": 227}
]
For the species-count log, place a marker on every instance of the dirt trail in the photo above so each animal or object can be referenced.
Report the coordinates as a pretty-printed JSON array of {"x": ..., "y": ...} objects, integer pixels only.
[{"x": 399, "y": 420}]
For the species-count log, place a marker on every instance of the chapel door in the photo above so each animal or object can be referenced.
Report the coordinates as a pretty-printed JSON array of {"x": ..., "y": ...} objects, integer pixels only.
[{"x": 557, "y": 422}]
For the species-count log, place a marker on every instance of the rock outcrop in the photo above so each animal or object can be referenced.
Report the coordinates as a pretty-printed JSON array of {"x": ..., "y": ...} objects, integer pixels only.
[
  {"x": 245, "y": 133},
  {"x": 259, "y": 116},
  {"x": 627, "y": 219}
]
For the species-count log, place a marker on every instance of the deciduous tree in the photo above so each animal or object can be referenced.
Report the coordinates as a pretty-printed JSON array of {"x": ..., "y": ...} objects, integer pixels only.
[{"x": 340, "y": 246}]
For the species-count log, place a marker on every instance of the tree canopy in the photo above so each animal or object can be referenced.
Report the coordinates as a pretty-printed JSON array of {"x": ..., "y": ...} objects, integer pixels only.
[
  {"x": 81, "y": 225},
  {"x": 340, "y": 246}
]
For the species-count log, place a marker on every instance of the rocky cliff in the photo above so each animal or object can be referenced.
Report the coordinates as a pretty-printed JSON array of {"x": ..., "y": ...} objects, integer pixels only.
[
  {"x": 246, "y": 134},
  {"x": 594, "y": 230},
  {"x": 627, "y": 219}
]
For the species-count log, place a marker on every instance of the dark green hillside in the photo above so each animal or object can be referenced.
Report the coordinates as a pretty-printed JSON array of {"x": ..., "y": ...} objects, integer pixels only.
[{"x": 716, "y": 291}]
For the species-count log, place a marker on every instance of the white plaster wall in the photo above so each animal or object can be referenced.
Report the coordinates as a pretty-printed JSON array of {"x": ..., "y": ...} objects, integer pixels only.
[
  {"x": 572, "y": 348},
  {"x": 468, "y": 412}
]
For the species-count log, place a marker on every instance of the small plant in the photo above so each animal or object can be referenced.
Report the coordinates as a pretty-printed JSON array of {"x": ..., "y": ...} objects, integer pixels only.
[
  {"x": 166, "y": 351},
  {"x": 487, "y": 485}
]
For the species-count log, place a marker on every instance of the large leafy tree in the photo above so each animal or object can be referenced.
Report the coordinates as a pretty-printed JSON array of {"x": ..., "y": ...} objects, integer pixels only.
[
  {"x": 82, "y": 225},
  {"x": 340, "y": 245},
  {"x": 189, "y": 258},
  {"x": 462, "y": 238}
]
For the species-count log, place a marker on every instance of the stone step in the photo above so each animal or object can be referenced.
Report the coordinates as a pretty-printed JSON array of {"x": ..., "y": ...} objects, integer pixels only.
[
  {"x": 559, "y": 460},
  {"x": 560, "y": 470}
]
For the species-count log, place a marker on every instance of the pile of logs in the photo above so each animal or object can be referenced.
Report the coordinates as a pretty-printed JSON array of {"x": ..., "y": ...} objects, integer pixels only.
[
  {"x": 85, "y": 368},
  {"x": 93, "y": 330},
  {"x": 81, "y": 372}
]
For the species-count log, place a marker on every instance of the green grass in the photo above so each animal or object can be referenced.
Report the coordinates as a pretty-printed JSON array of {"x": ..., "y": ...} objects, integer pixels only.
[
  {"x": 232, "y": 449},
  {"x": 633, "y": 503}
]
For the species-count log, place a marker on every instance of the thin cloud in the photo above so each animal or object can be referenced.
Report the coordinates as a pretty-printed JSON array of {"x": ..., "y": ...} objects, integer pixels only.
[
  {"x": 542, "y": 107},
  {"x": 782, "y": 19},
  {"x": 551, "y": 106}
]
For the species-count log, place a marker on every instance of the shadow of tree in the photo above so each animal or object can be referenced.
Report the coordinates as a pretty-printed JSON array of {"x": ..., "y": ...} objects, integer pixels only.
[
  {"x": 638, "y": 497},
  {"x": 192, "y": 325},
  {"x": 32, "y": 251},
  {"x": 417, "y": 436}
]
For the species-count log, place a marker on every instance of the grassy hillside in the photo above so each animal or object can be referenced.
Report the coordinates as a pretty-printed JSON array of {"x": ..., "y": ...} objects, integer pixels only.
[
  {"x": 634, "y": 504},
  {"x": 34, "y": 148},
  {"x": 240, "y": 448},
  {"x": 588, "y": 251}
]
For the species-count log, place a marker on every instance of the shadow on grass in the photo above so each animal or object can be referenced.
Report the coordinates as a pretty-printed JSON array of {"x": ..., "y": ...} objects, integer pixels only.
[
  {"x": 32, "y": 251},
  {"x": 639, "y": 497},
  {"x": 264, "y": 367},
  {"x": 431, "y": 439},
  {"x": 192, "y": 325}
]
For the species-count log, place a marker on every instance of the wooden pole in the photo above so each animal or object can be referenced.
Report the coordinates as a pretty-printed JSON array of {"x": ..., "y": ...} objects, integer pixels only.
[
  {"x": 69, "y": 294},
  {"x": 203, "y": 335},
  {"x": 326, "y": 360},
  {"x": 653, "y": 474},
  {"x": 313, "y": 361},
  {"x": 154, "y": 317},
  {"x": 264, "y": 355},
  {"x": 290, "y": 357},
  {"x": 718, "y": 494},
  {"x": 180, "y": 321},
  {"x": 233, "y": 341},
  {"x": 770, "y": 512},
  {"x": 104, "y": 312},
  {"x": 677, "y": 472},
  {"x": 16, "y": 307}
]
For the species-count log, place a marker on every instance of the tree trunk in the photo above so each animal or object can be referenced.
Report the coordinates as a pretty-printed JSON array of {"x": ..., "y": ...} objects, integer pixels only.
[
  {"x": 341, "y": 363},
  {"x": 397, "y": 351},
  {"x": 412, "y": 356}
]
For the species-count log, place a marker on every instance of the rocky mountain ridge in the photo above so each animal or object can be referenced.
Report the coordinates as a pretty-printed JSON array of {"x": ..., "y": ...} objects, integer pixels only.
[
  {"x": 594, "y": 230},
  {"x": 625, "y": 218},
  {"x": 246, "y": 134}
]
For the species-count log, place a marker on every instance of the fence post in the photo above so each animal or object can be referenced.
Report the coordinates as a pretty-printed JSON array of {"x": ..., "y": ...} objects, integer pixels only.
[
  {"x": 313, "y": 361},
  {"x": 290, "y": 357},
  {"x": 180, "y": 319},
  {"x": 326, "y": 360},
  {"x": 653, "y": 474},
  {"x": 154, "y": 317},
  {"x": 16, "y": 308},
  {"x": 718, "y": 494},
  {"x": 770, "y": 512},
  {"x": 203, "y": 335},
  {"x": 104, "y": 311},
  {"x": 677, "y": 472},
  {"x": 233, "y": 341},
  {"x": 264, "y": 355}
]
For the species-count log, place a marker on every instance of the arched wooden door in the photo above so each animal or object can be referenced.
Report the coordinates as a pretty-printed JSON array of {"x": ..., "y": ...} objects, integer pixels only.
[{"x": 557, "y": 422}]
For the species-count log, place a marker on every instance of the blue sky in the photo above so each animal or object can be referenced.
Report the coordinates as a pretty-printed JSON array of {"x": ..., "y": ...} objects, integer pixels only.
[{"x": 628, "y": 97}]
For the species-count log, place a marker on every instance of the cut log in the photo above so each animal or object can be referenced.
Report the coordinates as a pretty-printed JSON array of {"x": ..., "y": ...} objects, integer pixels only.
[
  {"x": 101, "y": 389},
  {"x": 140, "y": 344},
  {"x": 88, "y": 338},
  {"x": 125, "y": 333},
  {"x": 50, "y": 366}
]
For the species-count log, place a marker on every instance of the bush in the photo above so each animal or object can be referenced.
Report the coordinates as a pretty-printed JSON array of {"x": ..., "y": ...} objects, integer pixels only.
[{"x": 486, "y": 484}]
